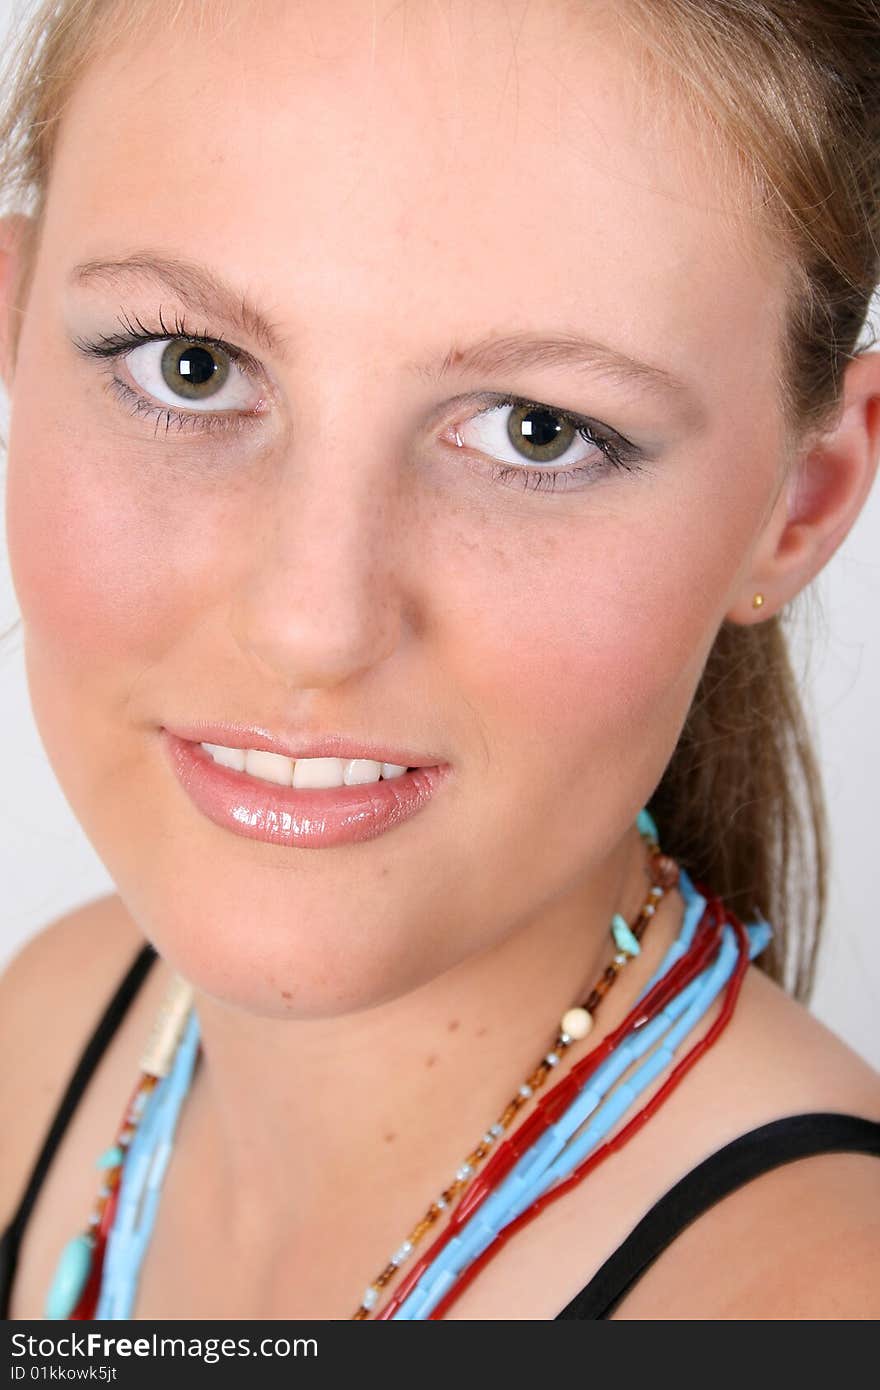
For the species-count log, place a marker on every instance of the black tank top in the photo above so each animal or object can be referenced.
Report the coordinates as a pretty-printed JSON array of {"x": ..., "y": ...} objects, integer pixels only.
[{"x": 753, "y": 1153}]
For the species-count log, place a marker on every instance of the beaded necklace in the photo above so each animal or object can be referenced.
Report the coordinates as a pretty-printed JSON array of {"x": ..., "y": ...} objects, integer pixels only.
[{"x": 97, "y": 1272}]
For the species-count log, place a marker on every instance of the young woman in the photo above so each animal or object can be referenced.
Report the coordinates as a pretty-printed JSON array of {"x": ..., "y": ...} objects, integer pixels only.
[{"x": 424, "y": 420}]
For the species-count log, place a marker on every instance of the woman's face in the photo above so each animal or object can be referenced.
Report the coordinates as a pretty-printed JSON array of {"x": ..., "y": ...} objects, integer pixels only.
[{"x": 388, "y": 186}]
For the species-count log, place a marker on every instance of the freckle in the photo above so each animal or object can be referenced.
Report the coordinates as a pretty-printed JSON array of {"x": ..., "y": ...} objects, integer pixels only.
[
  {"x": 453, "y": 1024},
  {"x": 390, "y": 1137},
  {"x": 429, "y": 1061},
  {"x": 481, "y": 1031},
  {"x": 286, "y": 994}
]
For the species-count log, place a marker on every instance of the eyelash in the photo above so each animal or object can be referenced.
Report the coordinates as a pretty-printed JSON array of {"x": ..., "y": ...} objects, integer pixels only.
[
  {"x": 109, "y": 347},
  {"x": 619, "y": 453}
]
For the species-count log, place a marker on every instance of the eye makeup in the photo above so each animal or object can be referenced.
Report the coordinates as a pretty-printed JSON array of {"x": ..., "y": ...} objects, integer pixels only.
[{"x": 613, "y": 452}]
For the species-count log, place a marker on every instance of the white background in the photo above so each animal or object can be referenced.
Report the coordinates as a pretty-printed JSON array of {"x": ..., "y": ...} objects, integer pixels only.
[{"x": 47, "y": 866}]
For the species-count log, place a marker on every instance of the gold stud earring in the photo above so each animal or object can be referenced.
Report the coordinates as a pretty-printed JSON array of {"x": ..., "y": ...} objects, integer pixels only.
[{"x": 758, "y": 601}]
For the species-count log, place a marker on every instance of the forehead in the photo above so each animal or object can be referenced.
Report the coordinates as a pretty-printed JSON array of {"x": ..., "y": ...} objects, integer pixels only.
[{"x": 407, "y": 163}]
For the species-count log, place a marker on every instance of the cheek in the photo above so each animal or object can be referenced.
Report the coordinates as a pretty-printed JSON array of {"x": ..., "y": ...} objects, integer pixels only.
[
  {"x": 95, "y": 562},
  {"x": 586, "y": 660},
  {"x": 103, "y": 573}
]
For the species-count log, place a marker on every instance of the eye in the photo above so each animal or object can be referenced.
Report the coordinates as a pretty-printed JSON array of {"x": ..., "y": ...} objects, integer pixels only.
[
  {"x": 525, "y": 436},
  {"x": 219, "y": 384},
  {"x": 199, "y": 375}
]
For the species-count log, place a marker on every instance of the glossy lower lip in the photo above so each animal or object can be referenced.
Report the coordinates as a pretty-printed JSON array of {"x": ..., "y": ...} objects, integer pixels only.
[{"x": 311, "y": 818}]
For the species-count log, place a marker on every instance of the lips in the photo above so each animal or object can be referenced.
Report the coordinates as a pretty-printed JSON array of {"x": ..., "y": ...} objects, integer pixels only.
[{"x": 315, "y": 818}]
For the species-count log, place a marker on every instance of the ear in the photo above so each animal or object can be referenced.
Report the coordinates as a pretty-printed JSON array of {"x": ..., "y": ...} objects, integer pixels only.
[
  {"x": 12, "y": 234},
  {"x": 827, "y": 486}
]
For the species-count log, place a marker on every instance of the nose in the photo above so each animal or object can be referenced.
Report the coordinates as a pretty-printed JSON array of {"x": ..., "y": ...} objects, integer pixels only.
[{"x": 320, "y": 602}]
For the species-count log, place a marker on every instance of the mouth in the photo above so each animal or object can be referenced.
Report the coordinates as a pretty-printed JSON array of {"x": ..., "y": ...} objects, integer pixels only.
[{"x": 313, "y": 802}]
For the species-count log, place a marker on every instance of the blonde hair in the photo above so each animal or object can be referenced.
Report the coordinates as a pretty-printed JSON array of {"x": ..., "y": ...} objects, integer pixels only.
[{"x": 792, "y": 93}]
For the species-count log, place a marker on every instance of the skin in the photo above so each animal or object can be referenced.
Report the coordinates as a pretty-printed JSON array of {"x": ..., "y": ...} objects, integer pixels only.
[{"x": 366, "y": 1010}]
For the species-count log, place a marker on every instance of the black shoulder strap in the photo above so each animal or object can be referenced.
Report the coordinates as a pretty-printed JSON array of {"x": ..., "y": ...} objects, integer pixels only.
[
  {"x": 757, "y": 1151},
  {"x": 91, "y": 1055}
]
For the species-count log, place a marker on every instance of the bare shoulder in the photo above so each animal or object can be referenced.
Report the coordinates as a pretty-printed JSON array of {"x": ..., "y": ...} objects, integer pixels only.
[
  {"x": 799, "y": 1241},
  {"x": 51, "y": 993}
]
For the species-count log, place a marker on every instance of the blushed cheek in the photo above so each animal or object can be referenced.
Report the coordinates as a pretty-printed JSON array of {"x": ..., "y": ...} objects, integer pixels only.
[
  {"x": 105, "y": 568},
  {"x": 596, "y": 687},
  {"x": 76, "y": 554},
  {"x": 94, "y": 571},
  {"x": 587, "y": 667}
]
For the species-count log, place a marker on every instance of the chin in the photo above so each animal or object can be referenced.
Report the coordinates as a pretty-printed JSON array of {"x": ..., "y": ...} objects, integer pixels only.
[{"x": 295, "y": 965}]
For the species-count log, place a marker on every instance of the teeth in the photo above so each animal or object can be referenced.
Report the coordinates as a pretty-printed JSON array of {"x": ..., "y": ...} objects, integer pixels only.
[
  {"x": 303, "y": 772},
  {"x": 359, "y": 770},
  {"x": 317, "y": 772},
  {"x": 271, "y": 767},
  {"x": 227, "y": 757},
  {"x": 392, "y": 770}
]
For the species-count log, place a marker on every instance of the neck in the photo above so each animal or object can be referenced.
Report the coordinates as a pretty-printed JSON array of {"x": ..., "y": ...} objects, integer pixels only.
[{"x": 381, "y": 1106}]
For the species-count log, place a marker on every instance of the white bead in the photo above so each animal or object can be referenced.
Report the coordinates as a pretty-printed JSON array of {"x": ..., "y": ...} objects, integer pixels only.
[
  {"x": 552, "y": 1058},
  {"x": 565, "y": 1037},
  {"x": 621, "y": 958},
  {"x": 525, "y": 1090},
  {"x": 577, "y": 1023},
  {"x": 370, "y": 1296},
  {"x": 649, "y": 909},
  {"x": 440, "y": 1203},
  {"x": 496, "y": 1129},
  {"x": 464, "y": 1172}
]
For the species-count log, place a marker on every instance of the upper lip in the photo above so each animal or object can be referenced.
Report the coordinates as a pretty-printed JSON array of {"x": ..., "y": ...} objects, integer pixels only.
[{"x": 302, "y": 745}]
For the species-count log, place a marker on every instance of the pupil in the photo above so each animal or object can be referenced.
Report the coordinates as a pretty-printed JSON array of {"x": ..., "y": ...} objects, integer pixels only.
[
  {"x": 196, "y": 365},
  {"x": 544, "y": 431}
]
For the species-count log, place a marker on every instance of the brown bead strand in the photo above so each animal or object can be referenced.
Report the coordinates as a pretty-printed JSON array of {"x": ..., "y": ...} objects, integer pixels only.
[{"x": 664, "y": 874}]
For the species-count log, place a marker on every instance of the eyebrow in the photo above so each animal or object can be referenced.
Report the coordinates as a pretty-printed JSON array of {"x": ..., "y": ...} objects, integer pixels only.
[
  {"x": 203, "y": 290},
  {"x": 197, "y": 286},
  {"x": 517, "y": 350}
]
